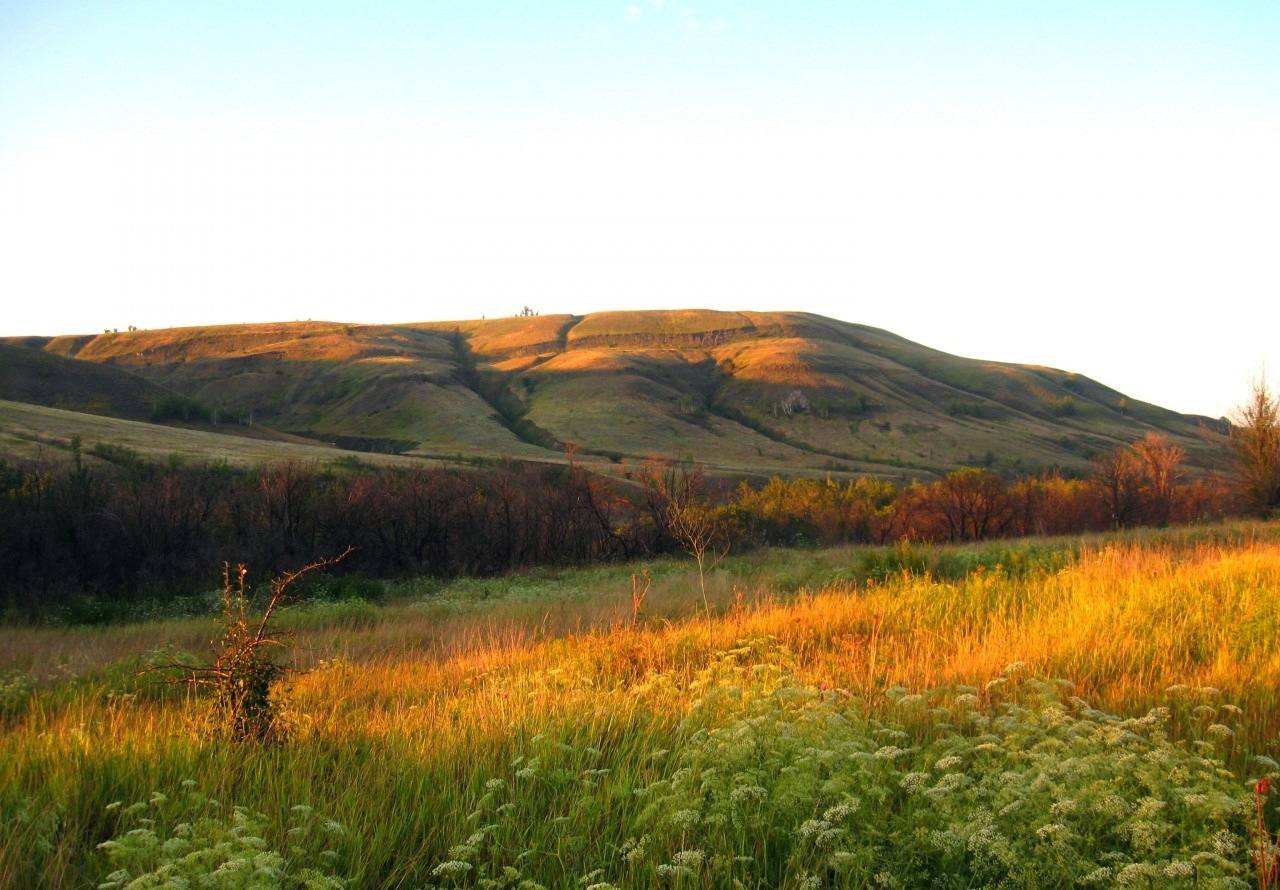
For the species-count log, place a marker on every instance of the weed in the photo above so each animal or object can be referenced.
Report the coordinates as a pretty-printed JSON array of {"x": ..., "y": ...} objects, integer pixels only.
[{"x": 243, "y": 669}]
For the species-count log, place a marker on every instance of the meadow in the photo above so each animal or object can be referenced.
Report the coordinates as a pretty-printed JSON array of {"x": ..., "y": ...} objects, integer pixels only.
[{"x": 1034, "y": 713}]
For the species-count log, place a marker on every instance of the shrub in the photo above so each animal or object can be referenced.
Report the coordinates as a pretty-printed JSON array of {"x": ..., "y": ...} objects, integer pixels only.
[{"x": 244, "y": 671}]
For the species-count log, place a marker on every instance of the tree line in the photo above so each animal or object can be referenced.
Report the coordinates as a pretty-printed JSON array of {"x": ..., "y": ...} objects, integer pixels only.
[{"x": 126, "y": 530}]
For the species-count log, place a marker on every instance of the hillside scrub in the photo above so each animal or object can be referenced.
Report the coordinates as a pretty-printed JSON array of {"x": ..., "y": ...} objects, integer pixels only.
[{"x": 918, "y": 731}]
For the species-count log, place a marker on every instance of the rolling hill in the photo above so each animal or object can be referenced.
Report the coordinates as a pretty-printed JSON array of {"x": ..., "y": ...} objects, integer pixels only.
[{"x": 746, "y": 393}]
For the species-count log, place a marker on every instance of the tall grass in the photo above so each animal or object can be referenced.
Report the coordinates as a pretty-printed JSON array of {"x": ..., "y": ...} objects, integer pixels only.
[{"x": 550, "y": 737}]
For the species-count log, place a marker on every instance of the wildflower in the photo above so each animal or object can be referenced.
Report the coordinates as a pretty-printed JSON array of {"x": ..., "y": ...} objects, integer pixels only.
[
  {"x": 688, "y": 858},
  {"x": 1262, "y": 786},
  {"x": 451, "y": 869},
  {"x": 1225, "y": 843},
  {"x": 673, "y": 871},
  {"x": 841, "y": 811},
  {"x": 914, "y": 783},
  {"x": 747, "y": 793},
  {"x": 1054, "y": 831},
  {"x": 1137, "y": 873},
  {"x": 685, "y": 819}
]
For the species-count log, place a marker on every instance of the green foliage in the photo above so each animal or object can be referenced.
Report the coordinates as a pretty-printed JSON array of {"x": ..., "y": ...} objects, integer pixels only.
[
  {"x": 962, "y": 408},
  {"x": 193, "y": 841},
  {"x": 120, "y": 455},
  {"x": 773, "y": 783},
  {"x": 15, "y": 693},
  {"x": 180, "y": 407},
  {"x": 1065, "y": 407}
]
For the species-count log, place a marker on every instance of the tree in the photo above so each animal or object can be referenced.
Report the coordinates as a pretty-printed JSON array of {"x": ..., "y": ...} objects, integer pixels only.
[
  {"x": 1255, "y": 441},
  {"x": 972, "y": 504},
  {"x": 1162, "y": 462},
  {"x": 1117, "y": 477},
  {"x": 689, "y": 517}
]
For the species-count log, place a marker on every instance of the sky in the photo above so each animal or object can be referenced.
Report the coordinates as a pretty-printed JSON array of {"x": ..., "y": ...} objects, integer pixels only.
[{"x": 1092, "y": 186}]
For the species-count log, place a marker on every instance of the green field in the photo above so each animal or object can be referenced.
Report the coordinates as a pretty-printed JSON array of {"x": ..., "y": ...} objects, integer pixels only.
[{"x": 1037, "y": 713}]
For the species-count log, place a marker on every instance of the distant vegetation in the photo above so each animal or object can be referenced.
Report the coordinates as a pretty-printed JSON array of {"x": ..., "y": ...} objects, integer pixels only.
[{"x": 95, "y": 540}]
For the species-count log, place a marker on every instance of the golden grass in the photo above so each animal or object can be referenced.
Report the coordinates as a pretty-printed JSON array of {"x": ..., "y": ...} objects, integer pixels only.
[
  {"x": 406, "y": 715},
  {"x": 648, "y": 323}
]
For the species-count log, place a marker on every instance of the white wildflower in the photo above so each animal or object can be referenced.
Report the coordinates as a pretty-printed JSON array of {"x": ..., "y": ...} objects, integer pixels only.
[
  {"x": 452, "y": 869},
  {"x": 914, "y": 783},
  {"x": 841, "y": 811},
  {"x": 744, "y": 794},
  {"x": 686, "y": 819},
  {"x": 673, "y": 871},
  {"x": 1054, "y": 831},
  {"x": 688, "y": 858},
  {"x": 1225, "y": 843},
  {"x": 1137, "y": 872}
]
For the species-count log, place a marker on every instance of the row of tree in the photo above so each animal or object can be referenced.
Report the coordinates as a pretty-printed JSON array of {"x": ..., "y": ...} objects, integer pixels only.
[{"x": 127, "y": 529}]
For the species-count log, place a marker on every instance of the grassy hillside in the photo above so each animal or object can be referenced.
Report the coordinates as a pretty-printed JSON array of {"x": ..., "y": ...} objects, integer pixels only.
[
  {"x": 742, "y": 392},
  {"x": 36, "y": 432},
  {"x": 40, "y": 377},
  {"x": 1046, "y": 714}
]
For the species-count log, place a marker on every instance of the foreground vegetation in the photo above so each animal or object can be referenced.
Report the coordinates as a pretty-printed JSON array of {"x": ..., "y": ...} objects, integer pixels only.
[{"x": 1036, "y": 713}]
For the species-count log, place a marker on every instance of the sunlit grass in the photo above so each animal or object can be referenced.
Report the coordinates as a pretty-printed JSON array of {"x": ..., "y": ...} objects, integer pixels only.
[{"x": 410, "y": 712}]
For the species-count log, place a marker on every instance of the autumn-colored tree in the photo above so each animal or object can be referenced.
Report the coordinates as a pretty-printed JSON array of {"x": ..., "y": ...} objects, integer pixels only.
[
  {"x": 1050, "y": 504},
  {"x": 1255, "y": 442},
  {"x": 972, "y": 504},
  {"x": 1162, "y": 462}
]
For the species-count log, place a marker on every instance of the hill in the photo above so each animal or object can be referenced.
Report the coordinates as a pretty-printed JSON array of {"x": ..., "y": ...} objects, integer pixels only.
[{"x": 742, "y": 392}]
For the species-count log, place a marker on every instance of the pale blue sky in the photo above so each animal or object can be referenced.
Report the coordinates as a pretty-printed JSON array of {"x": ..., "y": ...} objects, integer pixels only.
[{"x": 1092, "y": 186}]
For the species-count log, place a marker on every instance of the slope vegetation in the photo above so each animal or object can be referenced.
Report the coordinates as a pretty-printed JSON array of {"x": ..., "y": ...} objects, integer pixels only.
[{"x": 742, "y": 392}]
